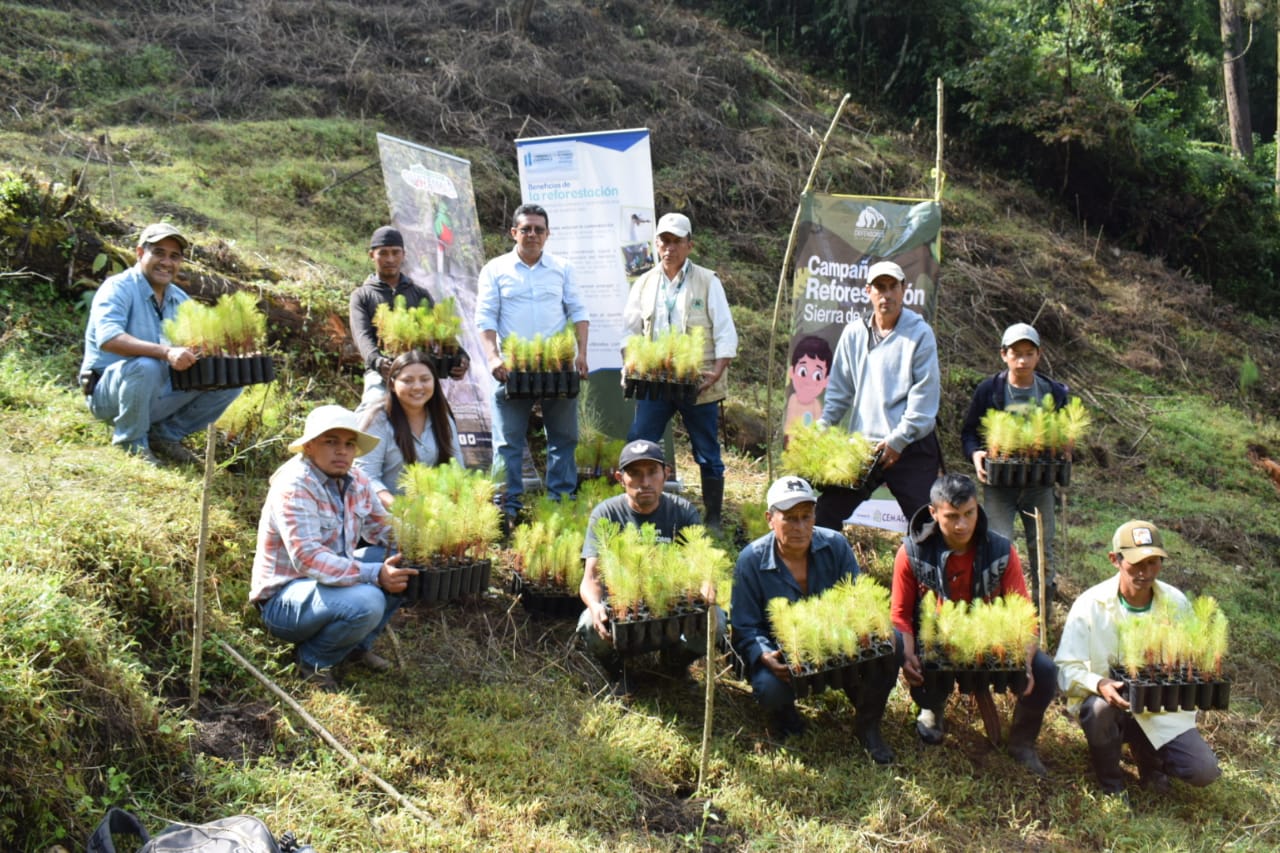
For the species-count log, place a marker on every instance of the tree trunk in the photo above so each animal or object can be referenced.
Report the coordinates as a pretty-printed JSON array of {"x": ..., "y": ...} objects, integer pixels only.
[{"x": 1235, "y": 87}]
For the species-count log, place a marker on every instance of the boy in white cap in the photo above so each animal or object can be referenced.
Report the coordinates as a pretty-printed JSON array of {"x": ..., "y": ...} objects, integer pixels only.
[
  {"x": 309, "y": 581},
  {"x": 885, "y": 384},
  {"x": 125, "y": 372},
  {"x": 679, "y": 294},
  {"x": 1016, "y": 388},
  {"x": 795, "y": 560},
  {"x": 1164, "y": 744}
]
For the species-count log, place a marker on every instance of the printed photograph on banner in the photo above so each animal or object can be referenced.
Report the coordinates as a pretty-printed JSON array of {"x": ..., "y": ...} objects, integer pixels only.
[
  {"x": 637, "y": 250},
  {"x": 433, "y": 206},
  {"x": 838, "y": 240}
]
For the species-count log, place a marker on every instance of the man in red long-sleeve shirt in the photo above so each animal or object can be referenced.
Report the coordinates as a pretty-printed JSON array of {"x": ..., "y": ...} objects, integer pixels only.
[{"x": 950, "y": 551}]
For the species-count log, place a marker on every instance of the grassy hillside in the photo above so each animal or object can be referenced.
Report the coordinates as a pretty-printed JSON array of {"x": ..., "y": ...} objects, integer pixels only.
[{"x": 253, "y": 126}]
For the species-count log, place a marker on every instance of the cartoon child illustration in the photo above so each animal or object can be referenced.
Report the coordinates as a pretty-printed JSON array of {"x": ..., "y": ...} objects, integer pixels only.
[{"x": 810, "y": 366}]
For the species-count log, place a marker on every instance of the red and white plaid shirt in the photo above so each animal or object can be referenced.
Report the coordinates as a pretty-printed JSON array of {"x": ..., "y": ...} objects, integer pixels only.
[{"x": 306, "y": 531}]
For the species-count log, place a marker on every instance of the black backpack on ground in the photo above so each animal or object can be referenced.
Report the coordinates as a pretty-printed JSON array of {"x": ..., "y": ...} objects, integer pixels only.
[{"x": 239, "y": 834}]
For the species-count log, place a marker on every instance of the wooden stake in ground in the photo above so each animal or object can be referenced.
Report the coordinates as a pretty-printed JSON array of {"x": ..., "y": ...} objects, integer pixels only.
[
  {"x": 197, "y": 626},
  {"x": 784, "y": 276},
  {"x": 1042, "y": 593},
  {"x": 707, "y": 716}
]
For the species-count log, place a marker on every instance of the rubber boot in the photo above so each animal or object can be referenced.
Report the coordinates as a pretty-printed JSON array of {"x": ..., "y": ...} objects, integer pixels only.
[
  {"x": 712, "y": 502},
  {"x": 1105, "y": 761},
  {"x": 1022, "y": 738},
  {"x": 869, "y": 700}
]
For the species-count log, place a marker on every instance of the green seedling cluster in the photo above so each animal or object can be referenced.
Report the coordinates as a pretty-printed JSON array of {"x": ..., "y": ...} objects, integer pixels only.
[
  {"x": 828, "y": 455},
  {"x": 969, "y": 633},
  {"x": 233, "y": 326},
  {"x": 672, "y": 356},
  {"x": 548, "y": 549},
  {"x": 839, "y": 623},
  {"x": 430, "y": 329},
  {"x": 540, "y": 353},
  {"x": 444, "y": 511},
  {"x": 1040, "y": 430},
  {"x": 597, "y": 452},
  {"x": 1172, "y": 640},
  {"x": 642, "y": 573}
]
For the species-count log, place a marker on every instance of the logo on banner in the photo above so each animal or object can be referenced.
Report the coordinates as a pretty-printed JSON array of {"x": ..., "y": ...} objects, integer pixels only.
[
  {"x": 871, "y": 224},
  {"x": 420, "y": 177},
  {"x": 544, "y": 161}
]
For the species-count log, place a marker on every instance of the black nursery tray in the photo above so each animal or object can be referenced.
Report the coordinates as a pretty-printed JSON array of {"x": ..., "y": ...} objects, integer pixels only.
[
  {"x": 448, "y": 579},
  {"x": 554, "y": 602},
  {"x": 941, "y": 674},
  {"x": 1028, "y": 472},
  {"x": 659, "y": 390},
  {"x": 844, "y": 673},
  {"x": 1156, "y": 692},
  {"x": 634, "y": 636},
  {"x": 526, "y": 384},
  {"x": 224, "y": 371}
]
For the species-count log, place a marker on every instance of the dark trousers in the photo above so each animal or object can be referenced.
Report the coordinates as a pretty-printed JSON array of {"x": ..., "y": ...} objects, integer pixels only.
[
  {"x": 1107, "y": 729},
  {"x": 1043, "y": 670},
  {"x": 910, "y": 480}
]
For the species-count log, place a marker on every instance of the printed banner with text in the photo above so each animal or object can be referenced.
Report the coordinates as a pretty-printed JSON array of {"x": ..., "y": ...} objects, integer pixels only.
[
  {"x": 838, "y": 239},
  {"x": 433, "y": 205}
]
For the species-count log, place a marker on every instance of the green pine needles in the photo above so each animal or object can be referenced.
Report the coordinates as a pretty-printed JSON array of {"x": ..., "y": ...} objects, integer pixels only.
[
  {"x": 540, "y": 353},
  {"x": 548, "y": 549},
  {"x": 672, "y": 356},
  {"x": 233, "y": 326},
  {"x": 836, "y": 624},
  {"x": 445, "y": 511},
  {"x": 1041, "y": 430},
  {"x": 966, "y": 634},
  {"x": 652, "y": 578},
  {"x": 1172, "y": 640},
  {"x": 827, "y": 455},
  {"x": 430, "y": 329}
]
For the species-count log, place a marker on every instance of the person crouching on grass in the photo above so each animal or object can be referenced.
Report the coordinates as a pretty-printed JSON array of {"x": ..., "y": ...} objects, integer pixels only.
[{"x": 309, "y": 582}]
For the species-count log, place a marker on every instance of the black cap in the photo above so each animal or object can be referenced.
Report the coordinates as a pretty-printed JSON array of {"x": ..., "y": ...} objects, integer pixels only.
[
  {"x": 386, "y": 236},
  {"x": 640, "y": 449}
]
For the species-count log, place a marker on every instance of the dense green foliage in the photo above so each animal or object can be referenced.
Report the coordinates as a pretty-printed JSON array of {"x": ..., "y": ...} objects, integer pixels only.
[{"x": 1114, "y": 107}]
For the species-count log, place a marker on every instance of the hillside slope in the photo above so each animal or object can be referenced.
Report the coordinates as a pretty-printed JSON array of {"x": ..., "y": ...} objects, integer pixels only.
[{"x": 252, "y": 125}]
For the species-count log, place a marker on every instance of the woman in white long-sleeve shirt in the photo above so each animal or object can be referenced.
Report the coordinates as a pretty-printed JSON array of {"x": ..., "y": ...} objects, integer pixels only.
[{"x": 415, "y": 424}]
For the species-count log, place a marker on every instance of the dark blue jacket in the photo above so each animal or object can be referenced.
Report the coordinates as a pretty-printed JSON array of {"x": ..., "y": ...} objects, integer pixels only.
[{"x": 990, "y": 394}]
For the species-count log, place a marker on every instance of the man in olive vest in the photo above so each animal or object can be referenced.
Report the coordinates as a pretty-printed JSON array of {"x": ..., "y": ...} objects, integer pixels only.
[{"x": 679, "y": 294}]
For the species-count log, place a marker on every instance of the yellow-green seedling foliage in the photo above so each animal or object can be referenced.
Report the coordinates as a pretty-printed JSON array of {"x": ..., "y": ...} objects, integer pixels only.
[
  {"x": 828, "y": 455},
  {"x": 963, "y": 633},
  {"x": 834, "y": 624},
  {"x": 643, "y": 573},
  {"x": 444, "y": 511},
  {"x": 1172, "y": 639},
  {"x": 232, "y": 326},
  {"x": 1036, "y": 431},
  {"x": 426, "y": 328}
]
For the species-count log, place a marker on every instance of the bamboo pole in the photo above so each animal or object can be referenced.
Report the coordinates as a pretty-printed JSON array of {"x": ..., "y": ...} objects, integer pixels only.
[
  {"x": 197, "y": 627},
  {"x": 938, "y": 179},
  {"x": 783, "y": 276},
  {"x": 709, "y": 707},
  {"x": 327, "y": 737},
  {"x": 1041, "y": 592}
]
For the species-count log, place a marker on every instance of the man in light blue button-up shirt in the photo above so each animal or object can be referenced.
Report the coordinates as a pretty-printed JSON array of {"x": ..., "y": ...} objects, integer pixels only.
[
  {"x": 125, "y": 372},
  {"x": 527, "y": 292}
]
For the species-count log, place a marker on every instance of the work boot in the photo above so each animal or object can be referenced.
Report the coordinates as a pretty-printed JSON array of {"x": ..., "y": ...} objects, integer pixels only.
[
  {"x": 786, "y": 723},
  {"x": 873, "y": 742},
  {"x": 368, "y": 659},
  {"x": 929, "y": 726},
  {"x": 1105, "y": 761},
  {"x": 141, "y": 451},
  {"x": 712, "y": 502},
  {"x": 1022, "y": 738},
  {"x": 317, "y": 676},
  {"x": 174, "y": 451}
]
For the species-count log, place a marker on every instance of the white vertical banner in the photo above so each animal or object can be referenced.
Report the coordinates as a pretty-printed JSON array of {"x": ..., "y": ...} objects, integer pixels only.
[{"x": 597, "y": 189}]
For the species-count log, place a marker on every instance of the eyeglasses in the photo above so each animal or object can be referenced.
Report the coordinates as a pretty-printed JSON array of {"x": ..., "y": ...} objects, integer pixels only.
[{"x": 532, "y": 229}]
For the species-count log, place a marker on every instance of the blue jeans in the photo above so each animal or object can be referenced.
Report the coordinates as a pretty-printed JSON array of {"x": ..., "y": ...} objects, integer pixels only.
[
  {"x": 701, "y": 422},
  {"x": 511, "y": 425},
  {"x": 328, "y": 622},
  {"x": 1107, "y": 730},
  {"x": 135, "y": 396},
  {"x": 1005, "y": 503}
]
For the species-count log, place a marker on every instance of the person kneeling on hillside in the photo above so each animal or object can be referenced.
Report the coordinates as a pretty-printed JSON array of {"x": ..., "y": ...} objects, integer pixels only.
[
  {"x": 793, "y": 561},
  {"x": 642, "y": 471},
  {"x": 1164, "y": 744},
  {"x": 950, "y": 551},
  {"x": 309, "y": 582}
]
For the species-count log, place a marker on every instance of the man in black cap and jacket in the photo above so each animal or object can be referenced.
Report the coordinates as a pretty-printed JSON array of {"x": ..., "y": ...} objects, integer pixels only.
[{"x": 386, "y": 249}]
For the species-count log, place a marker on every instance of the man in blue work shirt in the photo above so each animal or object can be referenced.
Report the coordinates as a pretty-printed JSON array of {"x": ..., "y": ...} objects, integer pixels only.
[{"x": 527, "y": 292}]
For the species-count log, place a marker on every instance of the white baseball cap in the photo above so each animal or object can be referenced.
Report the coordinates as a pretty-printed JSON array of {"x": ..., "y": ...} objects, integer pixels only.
[{"x": 674, "y": 223}]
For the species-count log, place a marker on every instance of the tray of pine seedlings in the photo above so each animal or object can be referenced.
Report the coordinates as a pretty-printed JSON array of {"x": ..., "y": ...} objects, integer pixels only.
[
  {"x": 1033, "y": 448},
  {"x": 229, "y": 336},
  {"x": 1170, "y": 658}
]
